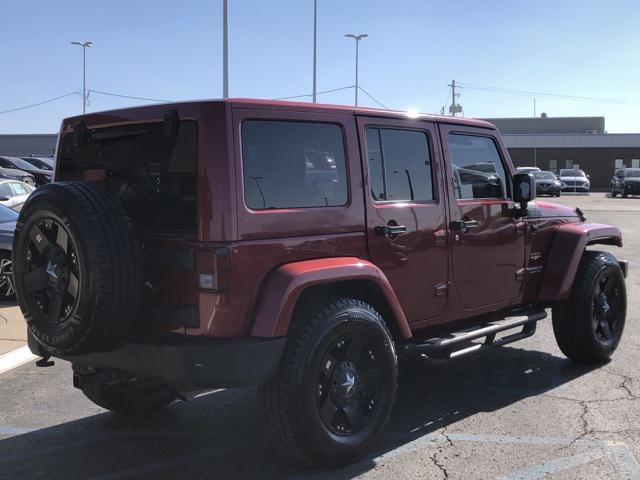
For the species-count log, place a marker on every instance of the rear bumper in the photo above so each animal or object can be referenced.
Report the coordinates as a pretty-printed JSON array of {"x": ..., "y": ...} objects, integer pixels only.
[{"x": 191, "y": 364}]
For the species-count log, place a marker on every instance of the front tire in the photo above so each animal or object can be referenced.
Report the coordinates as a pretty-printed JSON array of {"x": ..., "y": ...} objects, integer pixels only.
[
  {"x": 588, "y": 326},
  {"x": 336, "y": 385}
]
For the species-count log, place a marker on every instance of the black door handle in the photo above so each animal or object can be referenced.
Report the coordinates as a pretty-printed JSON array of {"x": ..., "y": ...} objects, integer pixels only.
[
  {"x": 391, "y": 230},
  {"x": 463, "y": 225}
]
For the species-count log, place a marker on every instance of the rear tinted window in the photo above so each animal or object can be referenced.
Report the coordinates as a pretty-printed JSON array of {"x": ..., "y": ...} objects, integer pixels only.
[
  {"x": 293, "y": 165},
  {"x": 153, "y": 174}
]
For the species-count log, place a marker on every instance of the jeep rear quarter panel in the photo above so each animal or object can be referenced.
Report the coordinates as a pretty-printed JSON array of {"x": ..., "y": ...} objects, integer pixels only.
[{"x": 268, "y": 238}]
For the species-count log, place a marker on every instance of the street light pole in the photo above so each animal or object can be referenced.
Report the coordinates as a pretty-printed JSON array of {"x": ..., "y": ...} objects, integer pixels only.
[
  {"x": 225, "y": 48},
  {"x": 315, "y": 45},
  {"x": 84, "y": 46},
  {"x": 357, "y": 38}
]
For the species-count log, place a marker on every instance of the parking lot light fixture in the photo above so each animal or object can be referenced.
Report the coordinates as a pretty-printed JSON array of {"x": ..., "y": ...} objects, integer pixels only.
[
  {"x": 357, "y": 38},
  {"x": 84, "y": 46}
]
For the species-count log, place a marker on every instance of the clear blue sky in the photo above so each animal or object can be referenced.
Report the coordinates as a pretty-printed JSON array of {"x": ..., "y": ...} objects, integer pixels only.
[{"x": 172, "y": 50}]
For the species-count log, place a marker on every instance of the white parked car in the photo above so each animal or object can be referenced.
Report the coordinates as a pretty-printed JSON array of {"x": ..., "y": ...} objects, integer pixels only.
[
  {"x": 574, "y": 180},
  {"x": 14, "y": 193}
]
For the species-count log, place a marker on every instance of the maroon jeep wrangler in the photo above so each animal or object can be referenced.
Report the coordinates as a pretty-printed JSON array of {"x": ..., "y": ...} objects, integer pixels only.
[{"x": 301, "y": 249}]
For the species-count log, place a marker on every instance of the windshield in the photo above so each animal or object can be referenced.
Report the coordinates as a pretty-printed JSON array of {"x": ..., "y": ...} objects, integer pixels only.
[
  {"x": 38, "y": 163},
  {"x": 572, "y": 173},
  {"x": 7, "y": 215},
  {"x": 632, "y": 173},
  {"x": 544, "y": 175}
]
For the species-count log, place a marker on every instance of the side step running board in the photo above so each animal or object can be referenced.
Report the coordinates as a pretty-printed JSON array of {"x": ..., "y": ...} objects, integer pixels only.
[{"x": 461, "y": 343}]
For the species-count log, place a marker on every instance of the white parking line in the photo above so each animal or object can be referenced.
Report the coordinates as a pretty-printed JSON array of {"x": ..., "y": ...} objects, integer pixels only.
[{"x": 15, "y": 358}]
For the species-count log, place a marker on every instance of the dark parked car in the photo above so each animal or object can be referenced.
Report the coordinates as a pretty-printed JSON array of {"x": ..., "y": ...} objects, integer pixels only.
[
  {"x": 43, "y": 163},
  {"x": 547, "y": 183},
  {"x": 301, "y": 249},
  {"x": 41, "y": 176},
  {"x": 626, "y": 181},
  {"x": 8, "y": 219}
]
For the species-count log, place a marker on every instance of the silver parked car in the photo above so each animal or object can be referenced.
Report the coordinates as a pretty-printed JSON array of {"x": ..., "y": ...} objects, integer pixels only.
[
  {"x": 573, "y": 180},
  {"x": 13, "y": 193}
]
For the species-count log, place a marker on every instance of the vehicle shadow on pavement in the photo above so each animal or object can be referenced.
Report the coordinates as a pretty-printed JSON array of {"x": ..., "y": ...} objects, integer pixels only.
[{"x": 224, "y": 434}]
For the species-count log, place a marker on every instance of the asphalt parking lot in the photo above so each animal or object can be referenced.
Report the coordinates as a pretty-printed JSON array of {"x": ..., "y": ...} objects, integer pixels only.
[{"x": 520, "y": 412}]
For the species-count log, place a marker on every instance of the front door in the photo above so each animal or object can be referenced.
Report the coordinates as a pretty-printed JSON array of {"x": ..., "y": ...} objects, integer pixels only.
[
  {"x": 487, "y": 241},
  {"x": 406, "y": 227}
]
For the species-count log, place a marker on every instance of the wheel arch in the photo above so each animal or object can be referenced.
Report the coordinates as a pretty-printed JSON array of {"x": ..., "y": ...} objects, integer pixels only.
[
  {"x": 568, "y": 245},
  {"x": 290, "y": 285}
]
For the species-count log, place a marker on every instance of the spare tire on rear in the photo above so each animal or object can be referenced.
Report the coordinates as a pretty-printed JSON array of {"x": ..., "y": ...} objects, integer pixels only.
[{"x": 77, "y": 268}]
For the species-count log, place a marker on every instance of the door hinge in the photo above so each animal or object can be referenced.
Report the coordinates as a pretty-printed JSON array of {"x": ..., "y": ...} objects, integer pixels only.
[
  {"x": 521, "y": 275},
  {"x": 441, "y": 290}
]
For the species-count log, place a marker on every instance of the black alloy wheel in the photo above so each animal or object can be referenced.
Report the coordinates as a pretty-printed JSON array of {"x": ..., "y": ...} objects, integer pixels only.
[
  {"x": 607, "y": 311},
  {"x": 350, "y": 381},
  {"x": 52, "y": 274},
  {"x": 7, "y": 286}
]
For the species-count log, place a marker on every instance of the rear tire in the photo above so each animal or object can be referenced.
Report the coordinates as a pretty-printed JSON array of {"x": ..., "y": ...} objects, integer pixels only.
[
  {"x": 336, "y": 385},
  {"x": 588, "y": 326},
  {"x": 135, "y": 397}
]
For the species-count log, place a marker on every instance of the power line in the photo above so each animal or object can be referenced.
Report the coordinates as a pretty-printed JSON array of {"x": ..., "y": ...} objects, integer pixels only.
[
  {"x": 335, "y": 90},
  {"x": 24, "y": 107},
  {"x": 128, "y": 96},
  {"x": 528, "y": 93},
  {"x": 317, "y": 93},
  {"x": 371, "y": 97}
]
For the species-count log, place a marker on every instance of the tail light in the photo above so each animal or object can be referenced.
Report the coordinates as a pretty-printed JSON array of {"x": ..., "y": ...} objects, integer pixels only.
[{"x": 213, "y": 270}]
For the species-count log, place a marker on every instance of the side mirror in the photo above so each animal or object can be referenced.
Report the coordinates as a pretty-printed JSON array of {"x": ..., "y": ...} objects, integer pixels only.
[
  {"x": 524, "y": 189},
  {"x": 3, "y": 199}
]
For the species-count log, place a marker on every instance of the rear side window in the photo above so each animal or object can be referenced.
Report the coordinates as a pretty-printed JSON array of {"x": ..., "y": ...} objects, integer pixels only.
[
  {"x": 399, "y": 165},
  {"x": 478, "y": 171},
  {"x": 18, "y": 188},
  {"x": 293, "y": 165}
]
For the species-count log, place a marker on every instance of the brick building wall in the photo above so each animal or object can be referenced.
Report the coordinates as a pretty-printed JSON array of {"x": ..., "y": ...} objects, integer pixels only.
[{"x": 597, "y": 162}]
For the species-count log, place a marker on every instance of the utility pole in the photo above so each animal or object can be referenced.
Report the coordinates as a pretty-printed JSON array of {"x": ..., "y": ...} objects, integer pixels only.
[
  {"x": 84, "y": 46},
  {"x": 535, "y": 132},
  {"x": 454, "y": 108},
  {"x": 357, "y": 38},
  {"x": 225, "y": 48},
  {"x": 315, "y": 45}
]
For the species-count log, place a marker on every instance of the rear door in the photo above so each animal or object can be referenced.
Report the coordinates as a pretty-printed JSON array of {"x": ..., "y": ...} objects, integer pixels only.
[
  {"x": 406, "y": 218},
  {"x": 487, "y": 242}
]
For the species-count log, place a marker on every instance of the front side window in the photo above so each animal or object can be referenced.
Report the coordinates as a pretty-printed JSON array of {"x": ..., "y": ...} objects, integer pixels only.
[
  {"x": 293, "y": 165},
  {"x": 399, "y": 165},
  {"x": 478, "y": 171},
  {"x": 5, "y": 190}
]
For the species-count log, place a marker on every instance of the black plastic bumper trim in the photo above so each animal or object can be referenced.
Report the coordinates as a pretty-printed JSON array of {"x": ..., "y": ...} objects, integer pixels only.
[{"x": 191, "y": 364}]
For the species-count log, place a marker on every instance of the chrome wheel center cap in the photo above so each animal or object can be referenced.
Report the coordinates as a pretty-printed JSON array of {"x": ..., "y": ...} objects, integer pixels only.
[
  {"x": 52, "y": 270},
  {"x": 349, "y": 383}
]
